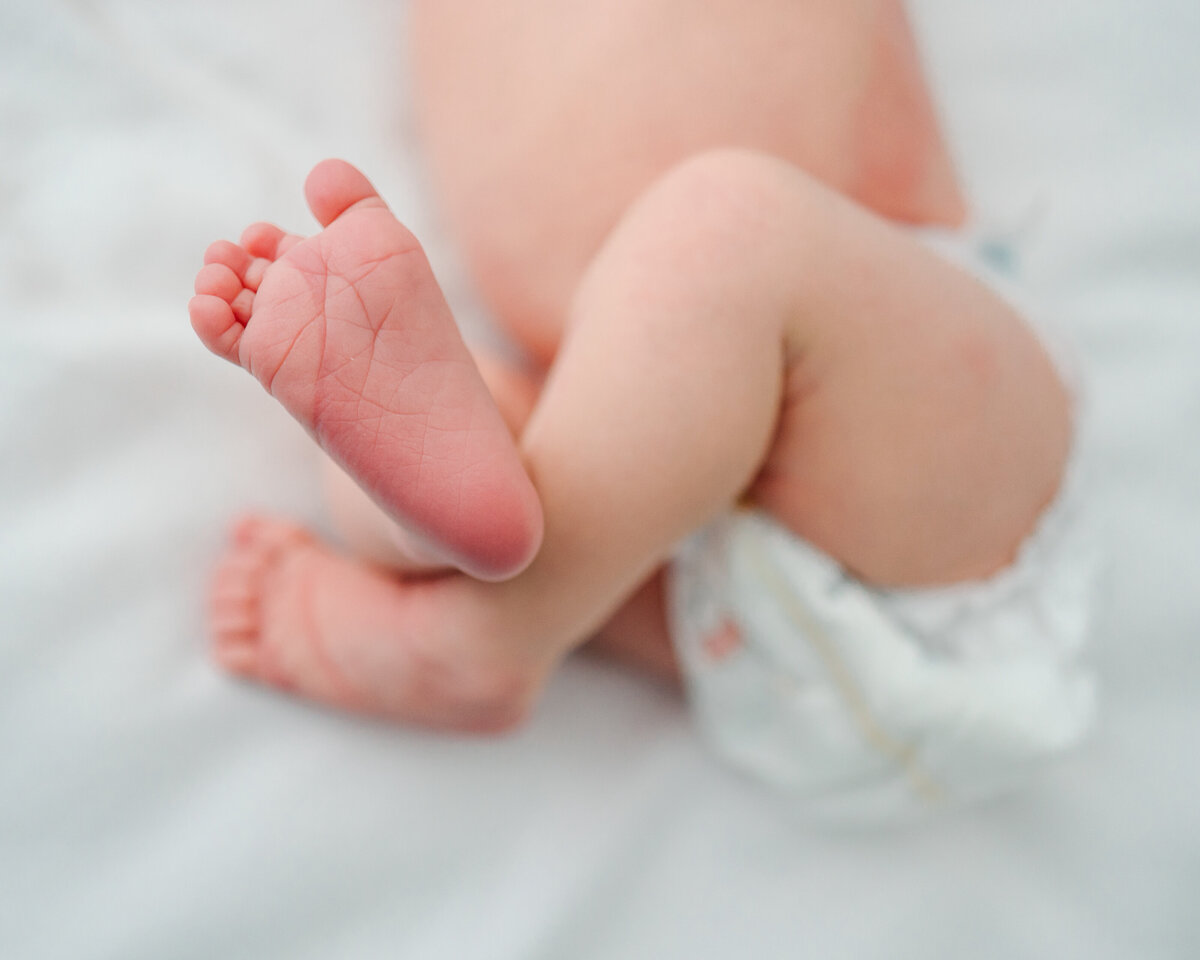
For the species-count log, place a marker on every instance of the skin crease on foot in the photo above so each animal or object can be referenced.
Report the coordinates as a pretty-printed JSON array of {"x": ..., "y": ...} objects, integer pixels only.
[
  {"x": 352, "y": 335},
  {"x": 530, "y": 535}
]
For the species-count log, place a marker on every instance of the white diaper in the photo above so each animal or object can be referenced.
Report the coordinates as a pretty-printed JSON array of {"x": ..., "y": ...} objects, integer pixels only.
[{"x": 876, "y": 703}]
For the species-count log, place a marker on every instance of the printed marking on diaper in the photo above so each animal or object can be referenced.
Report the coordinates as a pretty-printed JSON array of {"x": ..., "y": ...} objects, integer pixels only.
[
  {"x": 904, "y": 754},
  {"x": 722, "y": 642}
]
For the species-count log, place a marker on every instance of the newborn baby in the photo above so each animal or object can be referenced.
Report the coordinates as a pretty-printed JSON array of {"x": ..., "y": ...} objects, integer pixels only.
[{"x": 769, "y": 437}]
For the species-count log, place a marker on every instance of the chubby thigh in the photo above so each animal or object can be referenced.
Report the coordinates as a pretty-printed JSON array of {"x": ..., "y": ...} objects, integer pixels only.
[
  {"x": 542, "y": 121},
  {"x": 747, "y": 332},
  {"x": 924, "y": 428}
]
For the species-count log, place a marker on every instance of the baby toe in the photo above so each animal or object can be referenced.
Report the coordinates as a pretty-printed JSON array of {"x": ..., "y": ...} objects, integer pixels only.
[
  {"x": 233, "y": 619},
  {"x": 334, "y": 186},
  {"x": 263, "y": 240},
  {"x": 229, "y": 254},
  {"x": 247, "y": 529},
  {"x": 256, "y": 269},
  {"x": 218, "y": 280},
  {"x": 243, "y": 306},
  {"x": 234, "y": 624},
  {"x": 235, "y": 611},
  {"x": 266, "y": 533},
  {"x": 238, "y": 656},
  {"x": 235, "y": 581},
  {"x": 216, "y": 325}
]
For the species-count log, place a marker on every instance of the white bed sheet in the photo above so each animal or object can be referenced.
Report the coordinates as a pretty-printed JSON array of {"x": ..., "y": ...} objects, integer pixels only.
[{"x": 152, "y": 808}]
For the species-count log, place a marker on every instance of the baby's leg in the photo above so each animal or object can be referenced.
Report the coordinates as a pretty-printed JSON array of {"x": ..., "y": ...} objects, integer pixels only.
[
  {"x": 746, "y": 328},
  {"x": 349, "y": 331},
  {"x": 635, "y": 635}
]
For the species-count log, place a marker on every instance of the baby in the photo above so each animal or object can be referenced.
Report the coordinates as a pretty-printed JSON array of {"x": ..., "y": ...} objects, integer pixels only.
[{"x": 765, "y": 428}]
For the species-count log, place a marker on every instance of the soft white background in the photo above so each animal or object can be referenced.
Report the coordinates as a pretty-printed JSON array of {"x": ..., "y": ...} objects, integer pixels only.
[{"x": 151, "y": 808}]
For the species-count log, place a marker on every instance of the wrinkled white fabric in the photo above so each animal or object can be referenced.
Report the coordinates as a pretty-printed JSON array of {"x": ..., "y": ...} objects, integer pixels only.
[{"x": 153, "y": 808}]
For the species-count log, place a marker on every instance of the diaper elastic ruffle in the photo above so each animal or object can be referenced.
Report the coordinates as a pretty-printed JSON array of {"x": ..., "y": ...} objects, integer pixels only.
[{"x": 879, "y": 703}]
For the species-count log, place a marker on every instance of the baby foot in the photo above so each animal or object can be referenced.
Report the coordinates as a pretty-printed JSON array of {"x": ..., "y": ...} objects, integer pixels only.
[
  {"x": 290, "y": 613},
  {"x": 350, "y": 332}
]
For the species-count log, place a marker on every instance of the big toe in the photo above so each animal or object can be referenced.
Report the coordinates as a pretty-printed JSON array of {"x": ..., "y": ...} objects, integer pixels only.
[{"x": 334, "y": 186}]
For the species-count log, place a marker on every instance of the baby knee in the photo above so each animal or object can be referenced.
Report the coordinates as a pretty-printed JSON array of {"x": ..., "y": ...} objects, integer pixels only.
[
  {"x": 729, "y": 193},
  {"x": 727, "y": 216}
]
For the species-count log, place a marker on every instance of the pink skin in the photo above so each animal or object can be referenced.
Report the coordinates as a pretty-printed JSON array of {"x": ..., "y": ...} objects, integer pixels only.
[
  {"x": 915, "y": 435},
  {"x": 537, "y": 145},
  {"x": 350, "y": 332},
  {"x": 454, "y": 652},
  {"x": 291, "y": 613}
]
